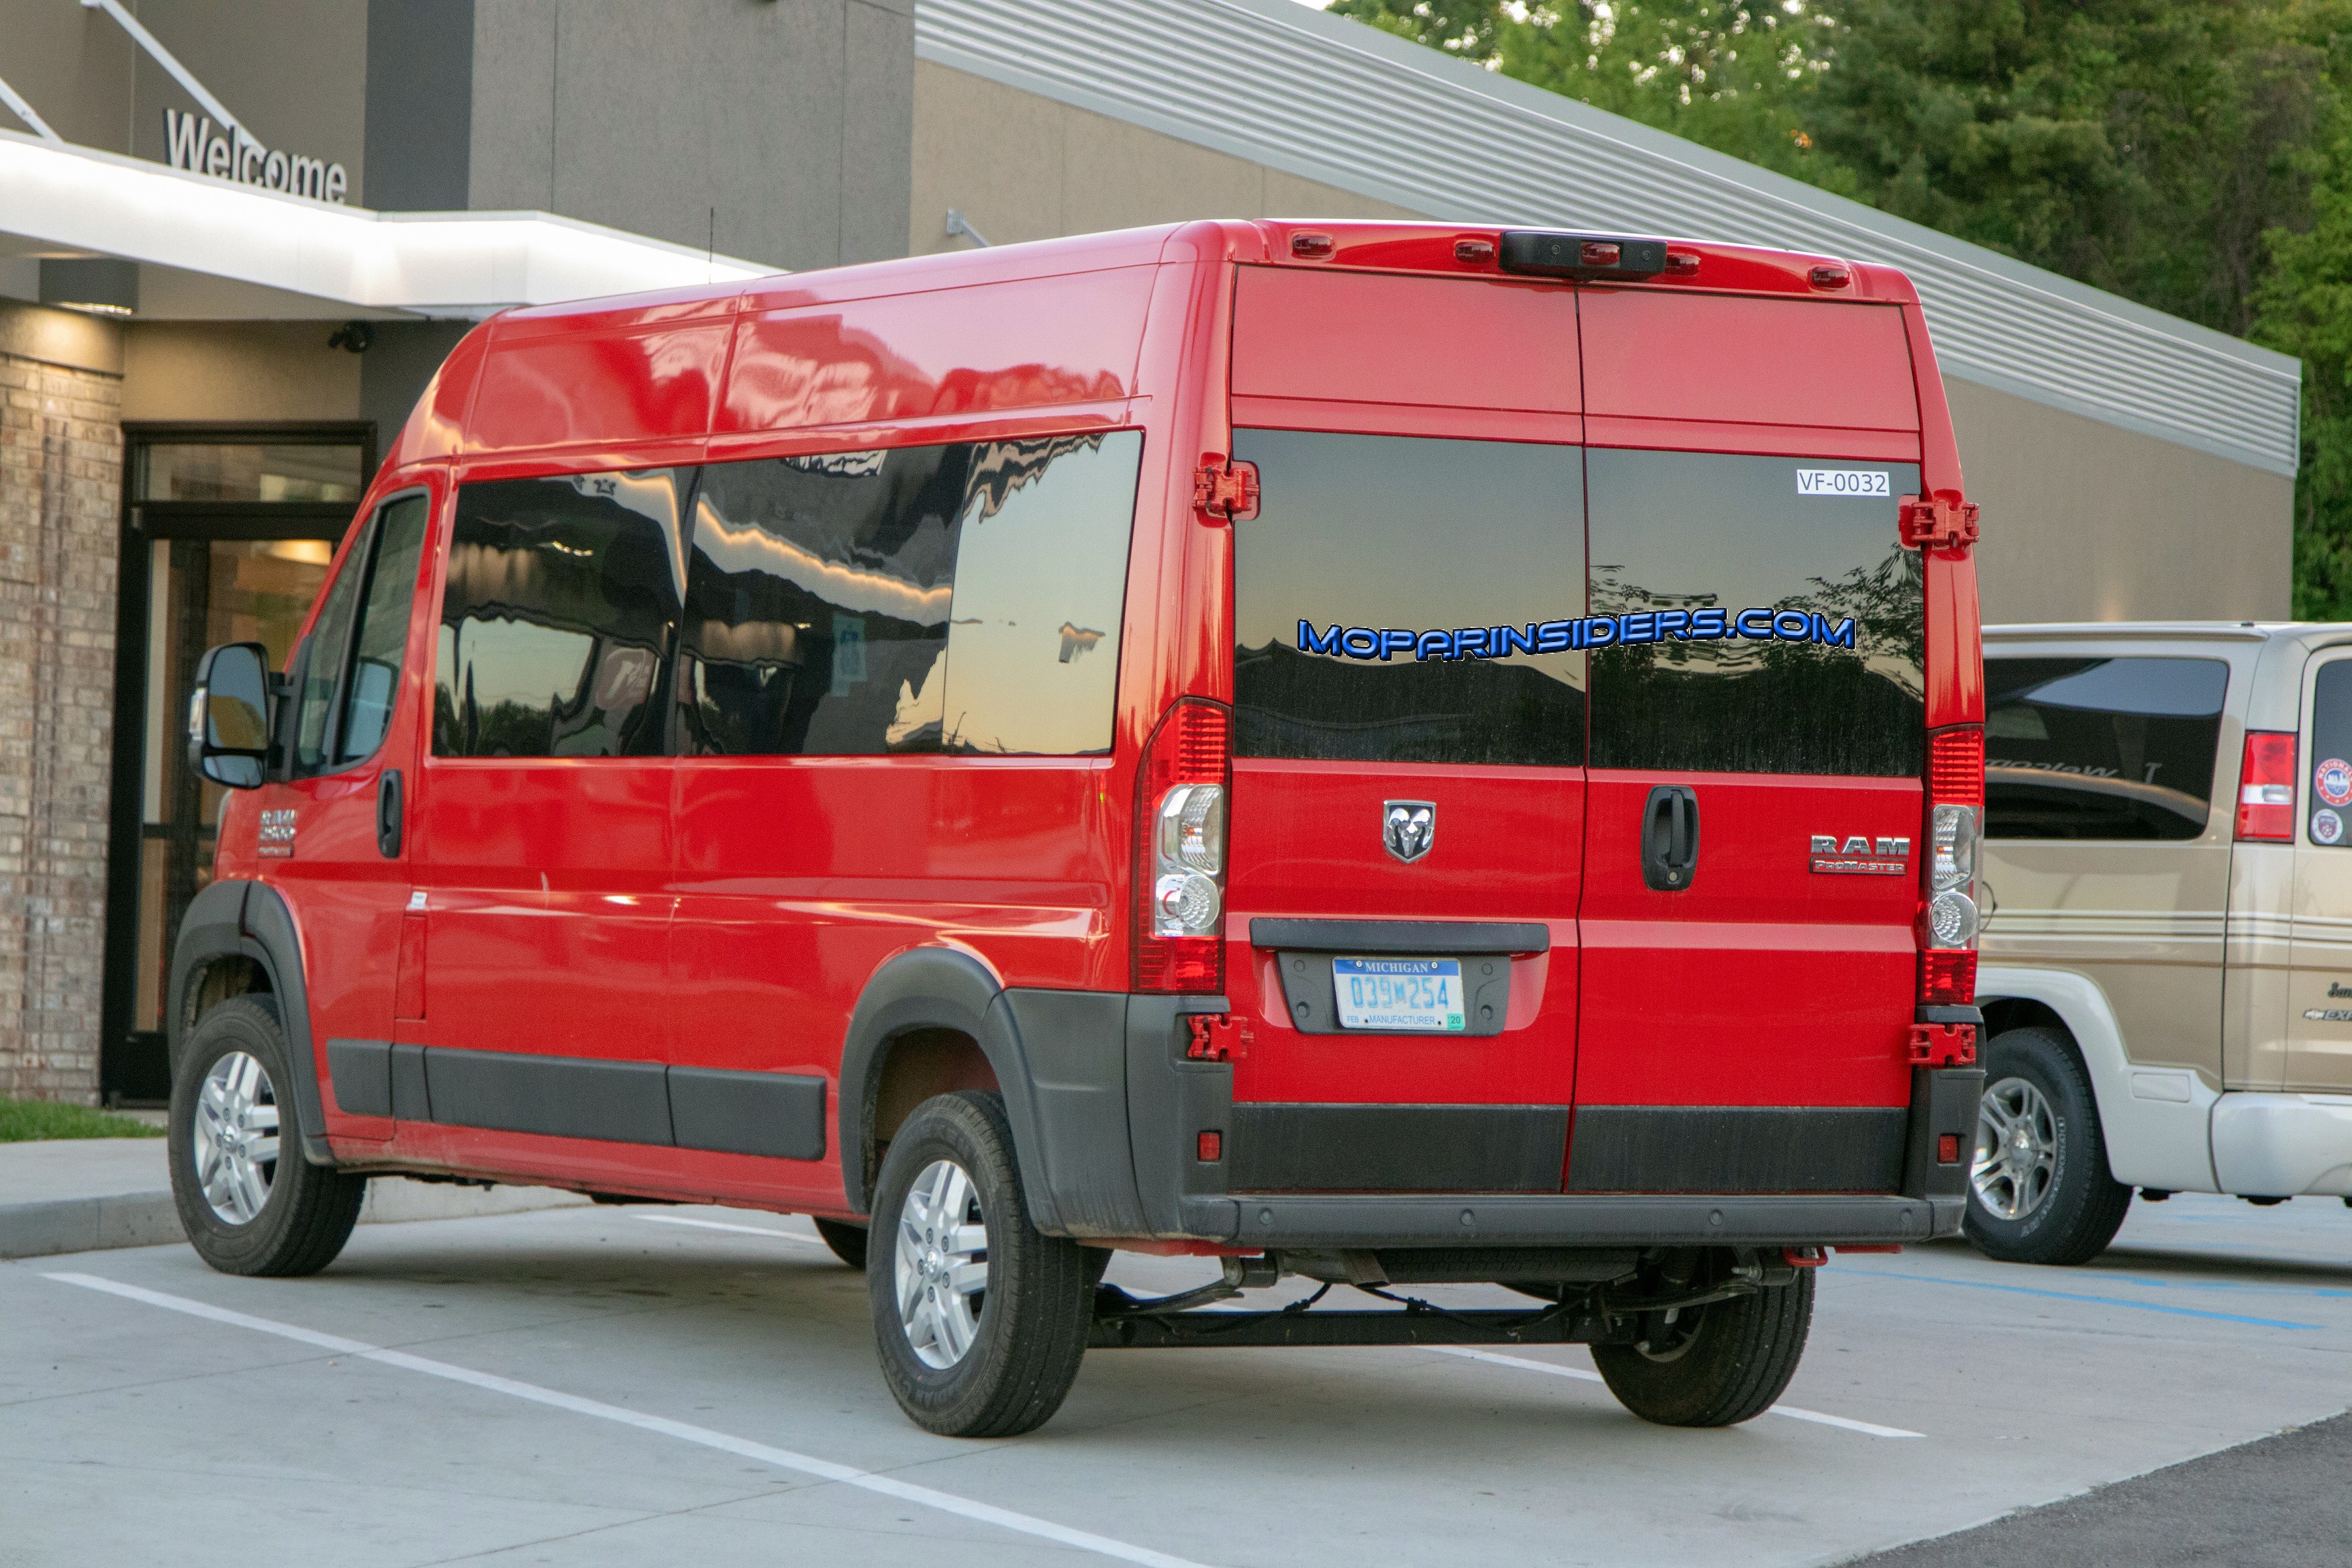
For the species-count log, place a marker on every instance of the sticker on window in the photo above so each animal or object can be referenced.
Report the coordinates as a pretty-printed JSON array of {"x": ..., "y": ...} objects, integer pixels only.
[
  {"x": 2326, "y": 828},
  {"x": 1842, "y": 482},
  {"x": 2333, "y": 779}
]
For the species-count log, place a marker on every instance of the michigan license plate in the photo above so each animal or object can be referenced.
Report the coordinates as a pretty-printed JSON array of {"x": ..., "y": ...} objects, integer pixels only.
[{"x": 1399, "y": 995}]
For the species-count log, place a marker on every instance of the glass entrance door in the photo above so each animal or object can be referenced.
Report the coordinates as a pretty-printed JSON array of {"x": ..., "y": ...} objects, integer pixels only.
[{"x": 226, "y": 538}]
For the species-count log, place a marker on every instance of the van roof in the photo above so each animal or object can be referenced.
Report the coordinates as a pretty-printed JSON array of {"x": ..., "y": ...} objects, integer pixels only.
[{"x": 1425, "y": 248}]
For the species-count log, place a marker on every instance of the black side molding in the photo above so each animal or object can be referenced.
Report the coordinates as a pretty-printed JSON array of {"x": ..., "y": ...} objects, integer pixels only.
[
  {"x": 778, "y": 1116},
  {"x": 1400, "y": 936}
]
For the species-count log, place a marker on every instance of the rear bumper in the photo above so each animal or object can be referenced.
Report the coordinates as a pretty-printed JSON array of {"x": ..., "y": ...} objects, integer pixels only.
[
  {"x": 1107, "y": 1110},
  {"x": 1570, "y": 1219}
]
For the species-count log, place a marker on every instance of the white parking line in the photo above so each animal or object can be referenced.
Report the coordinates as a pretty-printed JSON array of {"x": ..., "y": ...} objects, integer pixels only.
[
  {"x": 1848, "y": 1424},
  {"x": 744, "y": 1229},
  {"x": 783, "y": 1458}
]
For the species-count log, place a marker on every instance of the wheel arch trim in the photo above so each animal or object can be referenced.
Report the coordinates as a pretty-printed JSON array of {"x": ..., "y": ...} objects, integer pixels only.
[
  {"x": 250, "y": 920},
  {"x": 2154, "y": 1138}
]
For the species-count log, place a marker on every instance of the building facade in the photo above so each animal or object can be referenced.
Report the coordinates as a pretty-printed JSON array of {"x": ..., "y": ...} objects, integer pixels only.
[{"x": 258, "y": 226}]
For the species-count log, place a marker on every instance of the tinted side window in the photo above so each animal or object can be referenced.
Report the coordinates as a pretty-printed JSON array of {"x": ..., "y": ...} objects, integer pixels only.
[
  {"x": 963, "y": 598},
  {"x": 817, "y": 604},
  {"x": 562, "y": 596},
  {"x": 1040, "y": 584},
  {"x": 2331, "y": 754},
  {"x": 1400, "y": 599},
  {"x": 383, "y": 634},
  {"x": 1764, "y": 618},
  {"x": 2101, "y": 748}
]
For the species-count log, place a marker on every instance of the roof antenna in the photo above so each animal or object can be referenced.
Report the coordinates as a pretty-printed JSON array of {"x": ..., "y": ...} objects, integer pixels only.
[{"x": 958, "y": 224}]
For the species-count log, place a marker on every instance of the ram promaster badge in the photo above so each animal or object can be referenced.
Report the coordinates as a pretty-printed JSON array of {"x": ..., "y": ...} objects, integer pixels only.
[{"x": 1388, "y": 753}]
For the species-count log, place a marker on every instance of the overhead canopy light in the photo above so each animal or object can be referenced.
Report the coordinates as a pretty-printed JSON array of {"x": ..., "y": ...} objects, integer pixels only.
[{"x": 101, "y": 285}]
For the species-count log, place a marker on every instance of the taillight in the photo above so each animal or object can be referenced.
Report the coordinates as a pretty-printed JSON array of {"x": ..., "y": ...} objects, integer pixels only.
[
  {"x": 1181, "y": 793},
  {"x": 1948, "y": 921},
  {"x": 2266, "y": 788}
]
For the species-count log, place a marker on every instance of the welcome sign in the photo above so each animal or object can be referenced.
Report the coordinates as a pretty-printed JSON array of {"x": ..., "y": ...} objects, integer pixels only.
[{"x": 228, "y": 152}]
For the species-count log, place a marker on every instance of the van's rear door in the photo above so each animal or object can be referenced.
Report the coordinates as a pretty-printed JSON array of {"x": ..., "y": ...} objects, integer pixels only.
[
  {"x": 1407, "y": 808},
  {"x": 1759, "y": 723}
]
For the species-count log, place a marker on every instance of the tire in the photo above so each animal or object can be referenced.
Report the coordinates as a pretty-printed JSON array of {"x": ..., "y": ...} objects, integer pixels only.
[
  {"x": 1728, "y": 1370},
  {"x": 1004, "y": 1369},
  {"x": 847, "y": 1241},
  {"x": 233, "y": 1111},
  {"x": 2050, "y": 1198}
]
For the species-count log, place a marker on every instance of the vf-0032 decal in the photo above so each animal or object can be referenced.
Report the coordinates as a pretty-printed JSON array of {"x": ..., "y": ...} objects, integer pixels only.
[{"x": 1594, "y": 631}]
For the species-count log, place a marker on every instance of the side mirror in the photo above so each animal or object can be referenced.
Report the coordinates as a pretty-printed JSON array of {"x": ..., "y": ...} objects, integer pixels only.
[{"x": 228, "y": 716}]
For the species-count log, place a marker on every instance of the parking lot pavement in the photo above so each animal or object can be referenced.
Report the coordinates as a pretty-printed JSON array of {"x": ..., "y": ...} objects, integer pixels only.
[{"x": 581, "y": 1386}]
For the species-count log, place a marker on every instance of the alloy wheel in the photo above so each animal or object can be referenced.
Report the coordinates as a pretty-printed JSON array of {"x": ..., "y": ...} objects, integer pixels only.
[
  {"x": 941, "y": 1264},
  {"x": 235, "y": 1142},
  {"x": 2016, "y": 1160}
]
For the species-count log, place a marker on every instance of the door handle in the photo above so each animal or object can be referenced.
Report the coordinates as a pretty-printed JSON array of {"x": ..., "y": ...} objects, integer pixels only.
[
  {"x": 1670, "y": 838},
  {"x": 388, "y": 813}
]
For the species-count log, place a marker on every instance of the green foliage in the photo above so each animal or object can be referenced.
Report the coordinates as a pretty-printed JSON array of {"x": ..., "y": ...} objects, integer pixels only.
[
  {"x": 2195, "y": 155},
  {"x": 25, "y": 1121}
]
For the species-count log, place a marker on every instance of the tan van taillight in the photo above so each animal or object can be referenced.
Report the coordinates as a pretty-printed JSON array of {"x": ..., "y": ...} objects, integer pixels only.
[
  {"x": 2266, "y": 788},
  {"x": 1948, "y": 911},
  {"x": 1181, "y": 795}
]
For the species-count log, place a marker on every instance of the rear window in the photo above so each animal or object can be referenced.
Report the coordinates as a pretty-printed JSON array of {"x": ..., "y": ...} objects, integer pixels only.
[
  {"x": 1761, "y": 615},
  {"x": 2101, "y": 748},
  {"x": 2331, "y": 745},
  {"x": 1400, "y": 599}
]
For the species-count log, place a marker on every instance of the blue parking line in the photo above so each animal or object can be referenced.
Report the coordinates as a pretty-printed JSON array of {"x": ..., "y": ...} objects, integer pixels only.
[
  {"x": 2258, "y": 1287},
  {"x": 2070, "y": 1296}
]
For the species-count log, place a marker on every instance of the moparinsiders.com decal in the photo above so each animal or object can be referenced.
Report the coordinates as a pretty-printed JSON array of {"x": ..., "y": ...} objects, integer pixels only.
[{"x": 1758, "y": 625}]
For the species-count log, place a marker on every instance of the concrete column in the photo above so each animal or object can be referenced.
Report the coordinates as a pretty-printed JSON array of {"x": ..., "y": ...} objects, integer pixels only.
[{"x": 61, "y": 501}]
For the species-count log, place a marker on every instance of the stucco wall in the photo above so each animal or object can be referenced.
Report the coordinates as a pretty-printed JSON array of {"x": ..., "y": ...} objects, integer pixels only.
[
  {"x": 777, "y": 133},
  {"x": 233, "y": 371},
  {"x": 1024, "y": 167},
  {"x": 2084, "y": 522}
]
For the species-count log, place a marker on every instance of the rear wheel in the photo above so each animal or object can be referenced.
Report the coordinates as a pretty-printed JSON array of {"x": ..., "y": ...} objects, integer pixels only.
[
  {"x": 2039, "y": 1187},
  {"x": 1714, "y": 1365},
  {"x": 248, "y": 1200},
  {"x": 847, "y": 1241},
  {"x": 980, "y": 1320}
]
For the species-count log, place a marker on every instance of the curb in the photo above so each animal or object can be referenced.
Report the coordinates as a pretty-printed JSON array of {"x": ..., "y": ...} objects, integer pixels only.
[{"x": 149, "y": 1219}]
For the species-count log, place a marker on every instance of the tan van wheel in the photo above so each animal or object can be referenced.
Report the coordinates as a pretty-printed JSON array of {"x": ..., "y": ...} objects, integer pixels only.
[
  {"x": 2039, "y": 1188},
  {"x": 248, "y": 1200},
  {"x": 1714, "y": 1365},
  {"x": 847, "y": 1241},
  {"x": 980, "y": 1320}
]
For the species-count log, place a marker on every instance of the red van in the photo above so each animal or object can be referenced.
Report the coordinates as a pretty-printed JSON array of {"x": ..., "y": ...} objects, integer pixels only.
[{"x": 1390, "y": 753}]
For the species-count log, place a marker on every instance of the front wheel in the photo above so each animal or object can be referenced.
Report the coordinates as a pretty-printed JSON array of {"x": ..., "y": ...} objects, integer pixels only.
[
  {"x": 1714, "y": 1365},
  {"x": 980, "y": 1320},
  {"x": 248, "y": 1200}
]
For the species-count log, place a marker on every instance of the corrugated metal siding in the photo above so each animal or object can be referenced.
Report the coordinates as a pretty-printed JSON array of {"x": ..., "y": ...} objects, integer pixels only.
[{"x": 1331, "y": 101}]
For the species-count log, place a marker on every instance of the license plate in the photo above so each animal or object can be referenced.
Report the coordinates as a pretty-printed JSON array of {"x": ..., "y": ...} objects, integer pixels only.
[{"x": 1399, "y": 995}]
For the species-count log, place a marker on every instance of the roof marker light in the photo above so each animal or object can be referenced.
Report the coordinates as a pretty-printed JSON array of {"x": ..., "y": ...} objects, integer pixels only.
[
  {"x": 1310, "y": 247},
  {"x": 1682, "y": 263},
  {"x": 1830, "y": 277},
  {"x": 1474, "y": 252}
]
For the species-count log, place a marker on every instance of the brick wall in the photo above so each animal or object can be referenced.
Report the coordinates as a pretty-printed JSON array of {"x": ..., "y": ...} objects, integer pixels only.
[{"x": 61, "y": 490}]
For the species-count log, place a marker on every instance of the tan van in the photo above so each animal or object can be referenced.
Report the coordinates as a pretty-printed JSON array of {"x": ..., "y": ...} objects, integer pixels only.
[{"x": 2167, "y": 978}]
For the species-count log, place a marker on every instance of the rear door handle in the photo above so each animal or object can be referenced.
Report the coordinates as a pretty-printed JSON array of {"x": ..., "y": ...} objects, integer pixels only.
[
  {"x": 388, "y": 813},
  {"x": 1670, "y": 838}
]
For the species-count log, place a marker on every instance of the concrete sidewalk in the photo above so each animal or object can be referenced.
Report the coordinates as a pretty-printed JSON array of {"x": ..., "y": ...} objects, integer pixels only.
[{"x": 76, "y": 1194}]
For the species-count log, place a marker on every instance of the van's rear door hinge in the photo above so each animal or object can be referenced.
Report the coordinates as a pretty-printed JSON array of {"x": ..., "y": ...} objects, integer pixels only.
[
  {"x": 1940, "y": 521},
  {"x": 1943, "y": 1045},
  {"x": 1224, "y": 490},
  {"x": 1214, "y": 1036}
]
